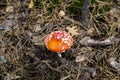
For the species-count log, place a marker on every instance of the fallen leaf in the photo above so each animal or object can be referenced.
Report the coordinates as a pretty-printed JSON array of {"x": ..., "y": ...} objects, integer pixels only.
[
  {"x": 61, "y": 13},
  {"x": 90, "y": 31},
  {"x": 73, "y": 30},
  {"x": 9, "y": 9},
  {"x": 31, "y": 5}
]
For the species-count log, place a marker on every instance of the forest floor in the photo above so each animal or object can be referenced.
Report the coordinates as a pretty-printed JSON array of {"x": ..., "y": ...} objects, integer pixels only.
[{"x": 94, "y": 55}]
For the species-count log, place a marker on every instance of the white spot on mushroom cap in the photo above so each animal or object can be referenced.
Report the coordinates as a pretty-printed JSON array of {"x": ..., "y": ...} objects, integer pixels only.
[{"x": 63, "y": 48}]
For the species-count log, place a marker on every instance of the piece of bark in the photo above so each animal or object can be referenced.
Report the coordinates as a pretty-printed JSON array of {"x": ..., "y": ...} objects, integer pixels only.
[
  {"x": 84, "y": 15},
  {"x": 87, "y": 41}
]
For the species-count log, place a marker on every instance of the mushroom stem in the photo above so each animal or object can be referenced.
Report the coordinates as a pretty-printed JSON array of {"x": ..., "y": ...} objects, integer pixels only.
[{"x": 59, "y": 54}]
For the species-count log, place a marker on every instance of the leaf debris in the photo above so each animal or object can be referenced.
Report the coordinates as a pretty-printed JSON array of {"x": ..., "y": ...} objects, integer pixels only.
[{"x": 73, "y": 30}]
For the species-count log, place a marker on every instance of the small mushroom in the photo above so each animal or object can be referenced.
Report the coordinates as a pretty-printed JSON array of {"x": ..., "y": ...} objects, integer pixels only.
[{"x": 58, "y": 41}]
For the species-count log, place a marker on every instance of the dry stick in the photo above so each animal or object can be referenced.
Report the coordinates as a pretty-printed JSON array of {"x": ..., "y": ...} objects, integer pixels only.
[{"x": 91, "y": 42}]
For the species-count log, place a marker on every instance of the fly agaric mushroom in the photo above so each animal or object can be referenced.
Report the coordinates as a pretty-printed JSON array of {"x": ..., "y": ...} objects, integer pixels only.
[{"x": 58, "y": 41}]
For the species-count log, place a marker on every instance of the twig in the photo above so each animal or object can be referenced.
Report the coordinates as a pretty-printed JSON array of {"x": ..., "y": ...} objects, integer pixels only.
[{"x": 87, "y": 41}]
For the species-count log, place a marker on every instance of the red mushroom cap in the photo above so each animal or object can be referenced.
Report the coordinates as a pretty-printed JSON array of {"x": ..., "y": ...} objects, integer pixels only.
[{"x": 58, "y": 41}]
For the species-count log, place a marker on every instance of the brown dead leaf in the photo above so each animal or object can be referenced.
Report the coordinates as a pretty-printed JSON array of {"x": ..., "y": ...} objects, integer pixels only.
[
  {"x": 31, "y": 4},
  {"x": 90, "y": 31},
  {"x": 73, "y": 30},
  {"x": 61, "y": 13},
  {"x": 9, "y": 9}
]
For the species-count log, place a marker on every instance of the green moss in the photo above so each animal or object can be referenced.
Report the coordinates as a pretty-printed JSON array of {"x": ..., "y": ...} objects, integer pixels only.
[
  {"x": 56, "y": 2},
  {"x": 38, "y": 4},
  {"x": 76, "y": 6}
]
